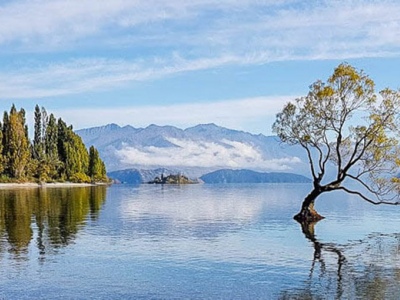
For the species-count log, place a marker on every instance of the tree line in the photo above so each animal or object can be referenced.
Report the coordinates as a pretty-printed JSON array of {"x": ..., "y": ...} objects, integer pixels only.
[{"x": 56, "y": 153}]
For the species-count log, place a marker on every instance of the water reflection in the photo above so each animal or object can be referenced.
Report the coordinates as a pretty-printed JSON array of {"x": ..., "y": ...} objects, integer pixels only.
[
  {"x": 51, "y": 216},
  {"x": 193, "y": 242},
  {"x": 204, "y": 217},
  {"x": 362, "y": 269}
]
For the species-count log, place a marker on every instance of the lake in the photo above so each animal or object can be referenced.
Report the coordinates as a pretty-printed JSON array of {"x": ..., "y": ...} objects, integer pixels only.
[{"x": 194, "y": 242}]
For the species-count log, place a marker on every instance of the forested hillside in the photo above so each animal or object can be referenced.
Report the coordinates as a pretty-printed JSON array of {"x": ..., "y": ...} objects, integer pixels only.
[{"x": 55, "y": 154}]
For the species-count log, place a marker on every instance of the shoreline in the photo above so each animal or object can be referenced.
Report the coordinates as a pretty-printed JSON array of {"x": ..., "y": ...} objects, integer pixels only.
[{"x": 47, "y": 185}]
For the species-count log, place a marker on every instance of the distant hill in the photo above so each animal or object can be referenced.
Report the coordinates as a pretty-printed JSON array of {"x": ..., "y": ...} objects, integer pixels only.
[
  {"x": 193, "y": 151},
  {"x": 248, "y": 176},
  {"x": 131, "y": 176},
  {"x": 136, "y": 176}
]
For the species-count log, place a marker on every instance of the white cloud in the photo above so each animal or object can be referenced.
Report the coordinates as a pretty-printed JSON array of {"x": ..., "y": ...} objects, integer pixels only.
[
  {"x": 189, "y": 153},
  {"x": 61, "y": 22},
  {"x": 252, "y": 24},
  {"x": 79, "y": 76},
  {"x": 183, "y": 36}
]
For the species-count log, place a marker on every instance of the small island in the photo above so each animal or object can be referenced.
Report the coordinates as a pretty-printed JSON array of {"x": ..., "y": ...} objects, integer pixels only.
[{"x": 172, "y": 179}]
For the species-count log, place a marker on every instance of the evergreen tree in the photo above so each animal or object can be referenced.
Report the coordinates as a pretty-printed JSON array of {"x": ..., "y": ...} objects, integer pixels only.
[
  {"x": 51, "y": 162},
  {"x": 51, "y": 138},
  {"x": 45, "y": 121},
  {"x": 43, "y": 168},
  {"x": 56, "y": 152},
  {"x": 96, "y": 166},
  {"x": 37, "y": 138},
  {"x": 1, "y": 150},
  {"x": 5, "y": 132},
  {"x": 72, "y": 153}
]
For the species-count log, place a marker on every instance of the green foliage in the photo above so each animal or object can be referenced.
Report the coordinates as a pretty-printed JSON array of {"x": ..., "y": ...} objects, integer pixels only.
[
  {"x": 80, "y": 178},
  {"x": 343, "y": 123},
  {"x": 72, "y": 151},
  {"x": 37, "y": 138},
  {"x": 18, "y": 146},
  {"x": 55, "y": 154},
  {"x": 2, "y": 160},
  {"x": 51, "y": 138},
  {"x": 97, "y": 170}
]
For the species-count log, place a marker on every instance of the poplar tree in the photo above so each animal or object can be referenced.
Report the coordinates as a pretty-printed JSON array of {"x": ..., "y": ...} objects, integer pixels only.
[
  {"x": 45, "y": 121},
  {"x": 96, "y": 166},
  {"x": 18, "y": 145},
  {"x": 2, "y": 161},
  {"x": 37, "y": 138},
  {"x": 73, "y": 154},
  {"x": 56, "y": 152},
  {"x": 5, "y": 139},
  {"x": 51, "y": 139},
  {"x": 48, "y": 168}
]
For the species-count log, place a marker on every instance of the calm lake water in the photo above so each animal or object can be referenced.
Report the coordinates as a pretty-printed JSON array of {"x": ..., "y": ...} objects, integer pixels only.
[{"x": 194, "y": 242}]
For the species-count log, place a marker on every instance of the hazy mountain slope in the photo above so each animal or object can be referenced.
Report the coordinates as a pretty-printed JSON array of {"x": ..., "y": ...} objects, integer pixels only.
[
  {"x": 248, "y": 176},
  {"x": 137, "y": 176}
]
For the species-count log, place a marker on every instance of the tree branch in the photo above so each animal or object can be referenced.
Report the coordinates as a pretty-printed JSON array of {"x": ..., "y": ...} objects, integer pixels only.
[{"x": 366, "y": 198}]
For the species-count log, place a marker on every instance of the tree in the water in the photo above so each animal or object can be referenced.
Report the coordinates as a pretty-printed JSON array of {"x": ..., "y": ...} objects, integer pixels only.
[{"x": 343, "y": 125}]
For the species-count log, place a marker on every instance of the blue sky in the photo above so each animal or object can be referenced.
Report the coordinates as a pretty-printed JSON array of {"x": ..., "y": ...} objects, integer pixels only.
[{"x": 231, "y": 62}]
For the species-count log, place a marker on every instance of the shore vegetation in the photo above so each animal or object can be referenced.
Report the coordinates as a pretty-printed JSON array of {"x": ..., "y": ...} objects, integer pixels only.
[{"x": 56, "y": 153}]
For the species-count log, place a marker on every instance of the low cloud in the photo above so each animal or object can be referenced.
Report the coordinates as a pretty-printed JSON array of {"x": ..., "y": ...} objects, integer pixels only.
[{"x": 188, "y": 153}]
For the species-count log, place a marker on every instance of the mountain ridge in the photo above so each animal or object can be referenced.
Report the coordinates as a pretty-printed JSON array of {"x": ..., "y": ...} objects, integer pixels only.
[
  {"x": 196, "y": 150},
  {"x": 224, "y": 176},
  {"x": 249, "y": 176}
]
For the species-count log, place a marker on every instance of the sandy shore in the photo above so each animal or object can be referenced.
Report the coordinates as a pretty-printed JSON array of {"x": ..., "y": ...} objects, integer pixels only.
[{"x": 45, "y": 185}]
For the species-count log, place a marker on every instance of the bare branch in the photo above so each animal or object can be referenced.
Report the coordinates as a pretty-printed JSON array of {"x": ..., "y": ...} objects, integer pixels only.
[
  {"x": 310, "y": 161},
  {"x": 366, "y": 186},
  {"x": 366, "y": 198}
]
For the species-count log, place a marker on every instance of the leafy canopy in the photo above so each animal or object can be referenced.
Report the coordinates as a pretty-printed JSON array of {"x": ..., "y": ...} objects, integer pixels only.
[
  {"x": 56, "y": 153},
  {"x": 343, "y": 123}
]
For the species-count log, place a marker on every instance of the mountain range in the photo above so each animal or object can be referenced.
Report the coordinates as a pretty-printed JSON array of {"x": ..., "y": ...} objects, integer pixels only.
[
  {"x": 137, "y": 176},
  {"x": 194, "y": 151},
  {"x": 248, "y": 176}
]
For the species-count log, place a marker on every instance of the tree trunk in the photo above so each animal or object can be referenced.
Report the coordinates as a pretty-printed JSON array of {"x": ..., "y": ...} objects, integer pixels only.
[{"x": 308, "y": 213}]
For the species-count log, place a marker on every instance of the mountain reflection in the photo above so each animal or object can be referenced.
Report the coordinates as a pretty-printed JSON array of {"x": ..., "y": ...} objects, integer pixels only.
[
  {"x": 51, "y": 216},
  {"x": 362, "y": 269}
]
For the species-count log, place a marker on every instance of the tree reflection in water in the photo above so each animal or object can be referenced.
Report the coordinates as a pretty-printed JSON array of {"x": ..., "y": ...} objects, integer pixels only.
[
  {"x": 53, "y": 216},
  {"x": 363, "y": 269}
]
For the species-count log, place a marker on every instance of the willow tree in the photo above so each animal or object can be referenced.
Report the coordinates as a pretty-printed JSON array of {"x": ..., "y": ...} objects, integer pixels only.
[{"x": 349, "y": 134}]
